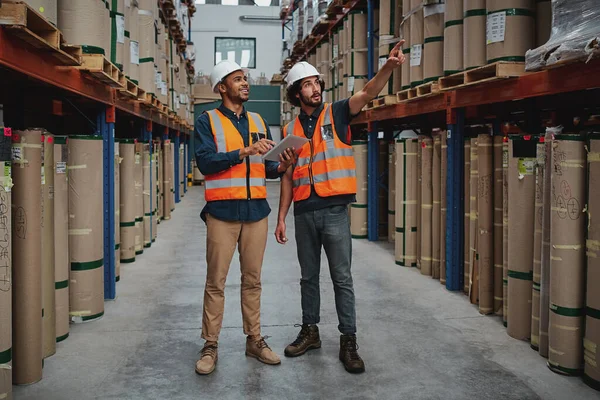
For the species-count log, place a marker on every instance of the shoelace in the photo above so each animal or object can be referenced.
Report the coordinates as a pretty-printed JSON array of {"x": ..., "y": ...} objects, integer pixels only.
[
  {"x": 209, "y": 351},
  {"x": 262, "y": 344},
  {"x": 301, "y": 336},
  {"x": 352, "y": 349}
]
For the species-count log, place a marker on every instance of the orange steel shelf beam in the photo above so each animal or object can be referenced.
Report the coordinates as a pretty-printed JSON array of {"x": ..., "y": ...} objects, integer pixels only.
[
  {"x": 568, "y": 78},
  {"x": 19, "y": 56}
]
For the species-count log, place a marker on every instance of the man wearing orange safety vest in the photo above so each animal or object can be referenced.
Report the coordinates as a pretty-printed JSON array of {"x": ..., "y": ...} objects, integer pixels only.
[
  {"x": 229, "y": 145},
  {"x": 322, "y": 182}
]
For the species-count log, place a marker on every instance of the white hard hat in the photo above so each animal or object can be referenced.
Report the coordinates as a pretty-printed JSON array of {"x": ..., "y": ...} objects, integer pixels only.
[
  {"x": 221, "y": 70},
  {"x": 300, "y": 71}
]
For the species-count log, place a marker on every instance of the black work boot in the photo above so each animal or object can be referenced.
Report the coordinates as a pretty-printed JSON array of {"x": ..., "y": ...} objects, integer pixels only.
[
  {"x": 349, "y": 354},
  {"x": 307, "y": 339}
]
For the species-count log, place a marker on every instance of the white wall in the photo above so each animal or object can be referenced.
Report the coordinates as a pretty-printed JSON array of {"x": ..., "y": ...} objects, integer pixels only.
[{"x": 211, "y": 21}]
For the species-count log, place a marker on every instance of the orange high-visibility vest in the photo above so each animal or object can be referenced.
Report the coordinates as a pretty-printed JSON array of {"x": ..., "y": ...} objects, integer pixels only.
[
  {"x": 325, "y": 162},
  {"x": 242, "y": 181}
]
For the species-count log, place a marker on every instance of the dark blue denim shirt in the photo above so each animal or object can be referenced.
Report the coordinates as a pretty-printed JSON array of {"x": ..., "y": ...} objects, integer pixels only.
[{"x": 210, "y": 162}]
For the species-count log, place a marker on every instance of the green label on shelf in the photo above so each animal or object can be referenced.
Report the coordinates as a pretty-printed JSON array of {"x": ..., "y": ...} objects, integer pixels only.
[{"x": 526, "y": 166}]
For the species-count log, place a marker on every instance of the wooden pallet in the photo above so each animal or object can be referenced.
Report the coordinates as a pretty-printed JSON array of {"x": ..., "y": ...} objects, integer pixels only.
[
  {"x": 428, "y": 89},
  {"x": 406, "y": 94},
  {"x": 488, "y": 73},
  {"x": 129, "y": 89},
  {"x": 23, "y": 21},
  {"x": 99, "y": 67}
]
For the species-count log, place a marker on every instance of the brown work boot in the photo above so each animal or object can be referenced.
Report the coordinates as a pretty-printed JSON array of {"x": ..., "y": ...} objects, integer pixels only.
[
  {"x": 208, "y": 359},
  {"x": 307, "y": 339},
  {"x": 349, "y": 354},
  {"x": 257, "y": 347}
]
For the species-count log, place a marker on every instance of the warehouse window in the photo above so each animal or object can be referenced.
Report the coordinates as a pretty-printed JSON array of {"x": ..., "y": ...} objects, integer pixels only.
[{"x": 240, "y": 50}]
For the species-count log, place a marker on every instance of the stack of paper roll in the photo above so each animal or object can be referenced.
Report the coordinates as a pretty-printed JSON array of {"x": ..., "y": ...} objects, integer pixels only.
[
  {"x": 505, "y": 232},
  {"x": 126, "y": 39},
  {"x": 132, "y": 18},
  {"x": 48, "y": 248},
  {"x": 357, "y": 69},
  {"x": 516, "y": 20},
  {"x": 418, "y": 197},
  {"x": 543, "y": 22},
  {"x": 444, "y": 205},
  {"x": 382, "y": 194},
  {"x": 521, "y": 198},
  {"x": 173, "y": 178},
  {"x": 6, "y": 272},
  {"x": 435, "y": 216},
  {"x": 473, "y": 224},
  {"x": 433, "y": 51},
  {"x": 117, "y": 48},
  {"x": 537, "y": 246},
  {"x": 48, "y": 9},
  {"x": 391, "y": 192},
  {"x": 117, "y": 213},
  {"x": 467, "y": 216},
  {"x": 86, "y": 228},
  {"x": 426, "y": 205},
  {"x": 567, "y": 260},
  {"x": 127, "y": 200},
  {"x": 161, "y": 183},
  {"x": 86, "y": 23},
  {"x": 154, "y": 192},
  {"x": 397, "y": 31},
  {"x": 592, "y": 322},
  {"x": 474, "y": 44},
  {"x": 485, "y": 222},
  {"x": 389, "y": 15},
  {"x": 181, "y": 171},
  {"x": 546, "y": 254},
  {"x": 411, "y": 216},
  {"x": 416, "y": 43},
  {"x": 146, "y": 195},
  {"x": 168, "y": 178},
  {"x": 147, "y": 45},
  {"x": 498, "y": 225},
  {"x": 27, "y": 349},
  {"x": 358, "y": 214},
  {"x": 139, "y": 198},
  {"x": 61, "y": 237},
  {"x": 406, "y": 47},
  {"x": 453, "y": 37},
  {"x": 400, "y": 206}
]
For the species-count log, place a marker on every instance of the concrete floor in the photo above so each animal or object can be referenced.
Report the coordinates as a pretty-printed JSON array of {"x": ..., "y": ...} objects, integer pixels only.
[{"x": 418, "y": 340}]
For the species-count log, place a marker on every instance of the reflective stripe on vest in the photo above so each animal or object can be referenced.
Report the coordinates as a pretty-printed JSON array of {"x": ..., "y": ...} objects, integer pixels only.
[
  {"x": 328, "y": 165},
  {"x": 241, "y": 181}
]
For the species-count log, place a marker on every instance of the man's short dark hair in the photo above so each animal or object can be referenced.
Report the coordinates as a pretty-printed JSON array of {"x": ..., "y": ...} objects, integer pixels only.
[{"x": 293, "y": 90}]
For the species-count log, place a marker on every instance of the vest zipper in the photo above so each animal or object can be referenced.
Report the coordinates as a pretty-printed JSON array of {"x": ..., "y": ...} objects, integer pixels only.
[
  {"x": 310, "y": 163},
  {"x": 248, "y": 177}
]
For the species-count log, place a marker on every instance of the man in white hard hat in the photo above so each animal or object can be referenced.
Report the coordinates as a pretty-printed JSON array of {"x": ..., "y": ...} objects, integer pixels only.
[
  {"x": 322, "y": 182},
  {"x": 229, "y": 145}
]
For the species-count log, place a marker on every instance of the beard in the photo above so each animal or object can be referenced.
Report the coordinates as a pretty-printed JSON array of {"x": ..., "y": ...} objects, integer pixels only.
[
  {"x": 236, "y": 95},
  {"x": 310, "y": 101}
]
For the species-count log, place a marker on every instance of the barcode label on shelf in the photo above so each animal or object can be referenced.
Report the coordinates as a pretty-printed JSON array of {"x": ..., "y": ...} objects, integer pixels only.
[
  {"x": 17, "y": 153},
  {"x": 163, "y": 89},
  {"x": 120, "y": 29},
  {"x": 61, "y": 168},
  {"x": 43, "y": 176},
  {"x": 415, "y": 55},
  {"x": 335, "y": 51},
  {"x": 527, "y": 166},
  {"x": 496, "y": 27},
  {"x": 382, "y": 61},
  {"x": 351, "y": 84},
  {"x": 138, "y": 158},
  {"x": 135, "y": 53}
]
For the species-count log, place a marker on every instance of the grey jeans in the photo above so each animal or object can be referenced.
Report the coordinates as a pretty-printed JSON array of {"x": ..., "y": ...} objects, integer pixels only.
[{"x": 328, "y": 228}]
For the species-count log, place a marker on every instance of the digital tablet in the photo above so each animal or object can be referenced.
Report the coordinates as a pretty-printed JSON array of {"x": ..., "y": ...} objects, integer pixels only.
[{"x": 289, "y": 141}]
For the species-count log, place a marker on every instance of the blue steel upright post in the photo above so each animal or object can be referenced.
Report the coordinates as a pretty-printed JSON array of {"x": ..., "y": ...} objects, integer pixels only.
[
  {"x": 455, "y": 198},
  {"x": 107, "y": 129},
  {"x": 177, "y": 181},
  {"x": 373, "y": 148},
  {"x": 186, "y": 162}
]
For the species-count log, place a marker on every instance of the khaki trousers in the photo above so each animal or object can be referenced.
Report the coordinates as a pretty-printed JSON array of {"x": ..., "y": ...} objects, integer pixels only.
[{"x": 221, "y": 241}]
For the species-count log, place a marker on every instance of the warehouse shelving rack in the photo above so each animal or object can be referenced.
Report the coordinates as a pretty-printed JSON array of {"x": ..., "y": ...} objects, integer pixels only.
[
  {"x": 56, "y": 91},
  {"x": 554, "y": 95}
]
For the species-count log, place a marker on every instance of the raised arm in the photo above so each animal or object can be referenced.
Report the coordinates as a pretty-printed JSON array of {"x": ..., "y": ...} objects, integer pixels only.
[{"x": 372, "y": 89}]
